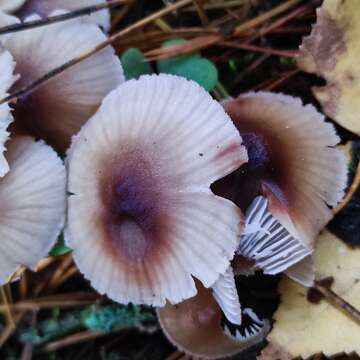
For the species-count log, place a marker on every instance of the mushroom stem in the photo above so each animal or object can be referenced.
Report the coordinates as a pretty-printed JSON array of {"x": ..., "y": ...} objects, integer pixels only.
[{"x": 57, "y": 18}]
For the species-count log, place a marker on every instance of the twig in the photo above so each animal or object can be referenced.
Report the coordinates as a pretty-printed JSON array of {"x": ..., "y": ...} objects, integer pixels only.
[
  {"x": 353, "y": 188},
  {"x": 263, "y": 50},
  {"x": 8, "y": 313},
  {"x": 120, "y": 16},
  {"x": 201, "y": 12},
  {"x": 277, "y": 10},
  {"x": 251, "y": 68},
  {"x": 337, "y": 300},
  {"x": 271, "y": 84},
  {"x": 206, "y": 41},
  {"x": 9, "y": 330},
  {"x": 223, "y": 5},
  {"x": 36, "y": 306},
  {"x": 74, "y": 339},
  {"x": 94, "y": 50},
  {"x": 57, "y": 18}
]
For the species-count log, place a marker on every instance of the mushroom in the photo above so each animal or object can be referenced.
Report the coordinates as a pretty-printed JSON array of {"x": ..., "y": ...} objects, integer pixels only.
[
  {"x": 56, "y": 110},
  {"x": 293, "y": 175},
  {"x": 7, "y": 78},
  {"x": 33, "y": 198},
  {"x": 142, "y": 221},
  {"x": 24, "y": 8},
  {"x": 196, "y": 326}
]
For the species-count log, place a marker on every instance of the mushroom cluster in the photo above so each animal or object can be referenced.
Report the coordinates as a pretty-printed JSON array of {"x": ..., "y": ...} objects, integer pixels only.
[{"x": 171, "y": 195}]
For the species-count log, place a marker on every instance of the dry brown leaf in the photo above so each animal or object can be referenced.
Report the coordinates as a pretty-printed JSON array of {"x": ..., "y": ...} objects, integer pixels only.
[
  {"x": 332, "y": 51},
  {"x": 302, "y": 328}
]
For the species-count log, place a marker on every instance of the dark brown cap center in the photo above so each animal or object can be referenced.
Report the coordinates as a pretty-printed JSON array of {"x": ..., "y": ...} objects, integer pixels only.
[{"x": 132, "y": 198}]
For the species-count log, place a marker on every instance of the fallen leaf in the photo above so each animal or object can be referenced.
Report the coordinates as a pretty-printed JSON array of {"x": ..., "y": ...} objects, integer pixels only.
[
  {"x": 332, "y": 51},
  {"x": 303, "y": 328}
]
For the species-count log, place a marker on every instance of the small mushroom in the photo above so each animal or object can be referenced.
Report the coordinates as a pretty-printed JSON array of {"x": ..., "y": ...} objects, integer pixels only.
[
  {"x": 24, "y": 8},
  {"x": 142, "y": 221},
  {"x": 293, "y": 175},
  {"x": 33, "y": 198},
  {"x": 196, "y": 326},
  {"x": 56, "y": 110},
  {"x": 7, "y": 78}
]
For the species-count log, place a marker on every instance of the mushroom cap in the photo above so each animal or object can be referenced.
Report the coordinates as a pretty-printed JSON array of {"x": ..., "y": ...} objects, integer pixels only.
[
  {"x": 10, "y": 5},
  {"x": 58, "y": 108},
  {"x": 292, "y": 162},
  {"x": 142, "y": 220},
  {"x": 46, "y": 7},
  {"x": 7, "y": 78},
  {"x": 33, "y": 198},
  {"x": 195, "y": 327}
]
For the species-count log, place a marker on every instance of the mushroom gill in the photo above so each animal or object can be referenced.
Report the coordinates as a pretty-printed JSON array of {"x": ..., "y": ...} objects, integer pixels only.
[
  {"x": 56, "y": 110},
  {"x": 142, "y": 220}
]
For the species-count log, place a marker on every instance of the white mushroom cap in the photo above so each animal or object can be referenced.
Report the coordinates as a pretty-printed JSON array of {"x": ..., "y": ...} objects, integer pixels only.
[
  {"x": 10, "y": 5},
  {"x": 142, "y": 221},
  {"x": 293, "y": 162},
  {"x": 45, "y": 8},
  {"x": 7, "y": 78},
  {"x": 32, "y": 197},
  {"x": 57, "y": 109}
]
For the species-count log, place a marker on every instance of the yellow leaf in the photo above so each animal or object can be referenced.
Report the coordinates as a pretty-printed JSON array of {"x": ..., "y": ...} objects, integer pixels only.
[
  {"x": 303, "y": 328},
  {"x": 332, "y": 51}
]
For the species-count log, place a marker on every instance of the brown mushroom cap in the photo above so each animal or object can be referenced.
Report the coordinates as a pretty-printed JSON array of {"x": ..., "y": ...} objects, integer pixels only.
[
  {"x": 33, "y": 198},
  {"x": 194, "y": 326},
  {"x": 293, "y": 164},
  {"x": 142, "y": 221},
  {"x": 58, "y": 108},
  {"x": 292, "y": 161},
  {"x": 45, "y": 7}
]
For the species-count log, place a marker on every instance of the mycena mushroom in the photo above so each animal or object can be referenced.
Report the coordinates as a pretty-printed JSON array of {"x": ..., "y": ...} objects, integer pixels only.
[
  {"x": 293, "y": 177},
  {"x": 142, "y": 220},
  {"x": 197, "y": 327},
  {"x": 33, "y": 202},
  {"x": 57, "y": 109}
]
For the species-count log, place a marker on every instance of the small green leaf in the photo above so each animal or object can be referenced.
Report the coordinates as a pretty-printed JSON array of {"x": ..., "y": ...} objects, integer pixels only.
[
  {"x": 167, "y": 66},
  {"x": 200, "y": 70},
  {"x": 134, "y": 64},
  {"x": 60, "y": 248}
]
